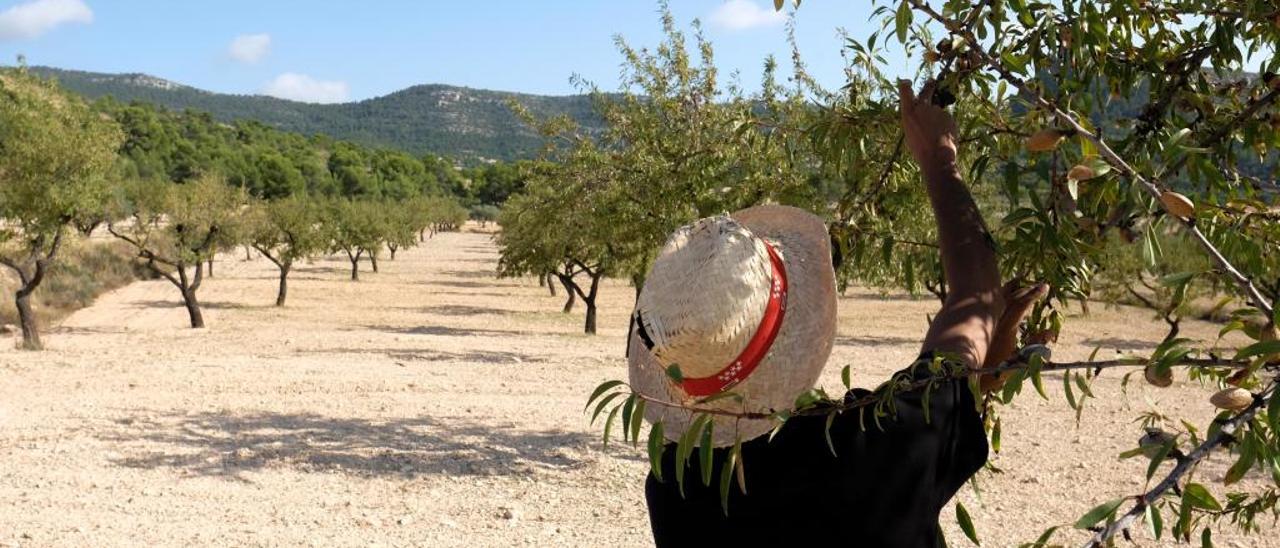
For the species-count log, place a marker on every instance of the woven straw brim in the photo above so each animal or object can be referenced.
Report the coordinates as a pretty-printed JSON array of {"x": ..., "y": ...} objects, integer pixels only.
[{"x": 797, "y": 356}]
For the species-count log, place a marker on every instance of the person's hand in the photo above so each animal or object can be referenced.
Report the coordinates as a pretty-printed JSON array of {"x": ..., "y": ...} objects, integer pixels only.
[
  {"x": 1018, "y": 300},
  {"x": 930, "y": 132}
]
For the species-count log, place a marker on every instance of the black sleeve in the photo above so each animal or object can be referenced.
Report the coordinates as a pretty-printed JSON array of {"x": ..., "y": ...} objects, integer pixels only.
[{"x": 936, "y": 429}]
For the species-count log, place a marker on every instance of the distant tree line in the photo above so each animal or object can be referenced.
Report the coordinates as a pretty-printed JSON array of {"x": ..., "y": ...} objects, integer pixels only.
[{"x": 179, "y": 187}]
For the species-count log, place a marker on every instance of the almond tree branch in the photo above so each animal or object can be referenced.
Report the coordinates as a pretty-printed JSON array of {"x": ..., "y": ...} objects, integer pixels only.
[
  {"x": 1185, "y": 464},
  {"x": 1243, "y": 282}
]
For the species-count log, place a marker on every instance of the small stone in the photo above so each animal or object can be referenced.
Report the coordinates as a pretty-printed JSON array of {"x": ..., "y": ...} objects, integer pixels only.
[
  {"x": 404, "y": 520},
  {"x": 6, "y": 329},
  {"x": 509, "y": 514}
]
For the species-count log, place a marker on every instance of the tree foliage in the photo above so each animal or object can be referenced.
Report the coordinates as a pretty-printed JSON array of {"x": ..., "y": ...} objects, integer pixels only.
[
  {"x": 55, "y": 154},
  {"x": 175, "y": 229},
  {"x": 285, "y": 231}
]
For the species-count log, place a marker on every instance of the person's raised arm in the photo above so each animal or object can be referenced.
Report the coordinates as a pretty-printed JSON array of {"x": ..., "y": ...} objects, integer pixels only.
[{"x": 966, "y": 324}]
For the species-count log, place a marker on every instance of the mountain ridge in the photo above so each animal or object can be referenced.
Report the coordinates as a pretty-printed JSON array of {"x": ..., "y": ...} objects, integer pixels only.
[{"x": 456, "y": 121}]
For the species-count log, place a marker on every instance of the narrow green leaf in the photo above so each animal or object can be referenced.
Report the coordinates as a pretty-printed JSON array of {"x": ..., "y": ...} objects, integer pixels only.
[
  {"x": 902, "y": 20},
  {"x": 706, "y": 453},
  {"x": 1199, "y": 497},
  {"x": 684, "y": 448},
  {"x": 604, "y": 387},
  {"x": 1043, "y": 540},
  {"x": 1066, "y": 387},
  {"x": 627, "y": 408},
  {"x": 604, "y": 403},
  {"x": 1098, "y": 513},
  {"x": 656, "y": 445},
  {"x": 966, "y": 523},
  {"x": 1162, "y": 454},
  {"x": 726, "y": 480},
  {"x": 995, "y": 436},
  {"x": 1206, "y": 538},
  {"x": 1258, "y": 349},
  {"x": 608, "y": 423},
  {"x": 1155, "y": 520},
  {"x": 637, "y": 419},
  {"x": 1084, "y": 386},
  {"x": 1036, "y": 364},
  {"x": 1242, "y": 465},
  {"x": 844, "y": 377}
]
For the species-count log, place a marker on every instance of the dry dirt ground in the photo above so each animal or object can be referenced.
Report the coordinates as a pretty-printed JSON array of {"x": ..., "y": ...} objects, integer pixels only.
[{"x": 435, "y": 405}]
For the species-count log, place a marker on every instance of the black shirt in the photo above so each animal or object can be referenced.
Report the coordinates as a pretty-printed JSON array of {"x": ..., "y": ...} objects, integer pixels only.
[{"x": 884, "y": 487}]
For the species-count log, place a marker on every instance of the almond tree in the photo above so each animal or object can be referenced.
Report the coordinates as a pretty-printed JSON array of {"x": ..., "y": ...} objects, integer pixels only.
[
  {"x": 355, "y": 228},
  {"x": 175, "y": 228},
  {"x": 402, "y": 226},
  {"x": 677, "y": 146},
  {"x": 553, "y": 226},
  {"x": 54, "y": 156},
  {"x": 285, "y": 231}
]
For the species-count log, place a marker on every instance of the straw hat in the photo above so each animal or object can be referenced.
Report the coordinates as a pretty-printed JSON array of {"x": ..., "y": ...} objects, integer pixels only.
[{"x": 743, "y": 303}]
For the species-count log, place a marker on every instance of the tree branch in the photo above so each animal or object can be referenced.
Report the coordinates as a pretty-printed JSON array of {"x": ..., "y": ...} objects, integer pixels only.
[
  {"x": 1224, "y": 435},
  {"x": 1244, "y": 283}
]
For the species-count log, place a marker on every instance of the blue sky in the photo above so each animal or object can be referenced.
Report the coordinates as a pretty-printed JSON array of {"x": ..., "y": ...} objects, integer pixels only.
[{"x": 347, "y": 50}]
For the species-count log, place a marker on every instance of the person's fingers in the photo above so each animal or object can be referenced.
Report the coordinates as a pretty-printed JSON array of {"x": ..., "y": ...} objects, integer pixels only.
[
  {"x": 906, "y": 96},
  {"x": 926, "y": 92},
  {"x": 1022, "y": 299}
]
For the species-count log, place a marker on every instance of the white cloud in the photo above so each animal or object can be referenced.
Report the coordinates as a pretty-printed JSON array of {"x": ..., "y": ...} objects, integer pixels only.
[
  {"x": 32, "y": 19},
  {"x": 745, "y": 14},
  {"x": 249, "y": 48},
  {"x": 300, "y": 87}
]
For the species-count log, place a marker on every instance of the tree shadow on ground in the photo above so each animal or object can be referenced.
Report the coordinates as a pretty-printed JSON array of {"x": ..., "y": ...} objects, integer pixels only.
[
  {"x": 472, "y": 293},
  {"x": 68, "y": 330},
  {"x": 463, "y": 310},
  {"x": 317, "y": 269},
  {"x": 1116, "y": 343},
  {"x": 443, "y": 330},
  {"x": 229, "y": 444},
  {"x": 876, "y": 341},
  {"x": 209, "y": 305},
  {"x": 467, "y": 284},
  {"x": 472, "y": 274},
  {"x": 429, "y": 355}
]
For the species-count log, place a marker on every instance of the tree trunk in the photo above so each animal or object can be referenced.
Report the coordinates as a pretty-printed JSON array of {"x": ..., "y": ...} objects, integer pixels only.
[
  {"x": 284, "y": 285},
  {"x": 422, "y": 235},
  {"x": 373, "y": 259},
  {"x": 392, "y": 248},
  {"x": 355, "y": 268},
  {"x": 193, "y": 308},
  {"x": 637, "y": 282},
  {"x": 568, "y": 303},
  {"x": 247, "y": 255},
  {"x": 210, "y": 266},
  {"x": 27, "y": 317},
  {"x": 590, "y": 299}
]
